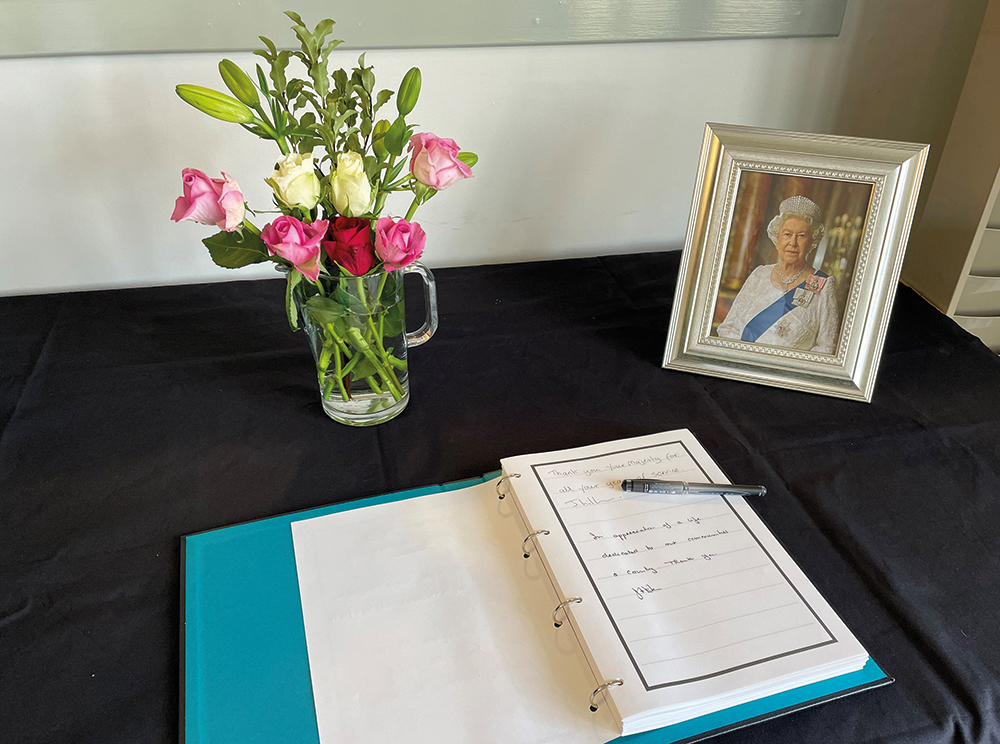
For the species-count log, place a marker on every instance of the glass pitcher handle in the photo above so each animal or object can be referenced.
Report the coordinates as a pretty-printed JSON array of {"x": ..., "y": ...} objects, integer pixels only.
[{"x": 422, "y": 334}]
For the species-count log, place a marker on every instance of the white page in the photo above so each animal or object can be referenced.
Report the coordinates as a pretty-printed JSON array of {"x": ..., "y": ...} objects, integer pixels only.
[
  {"x": 685, "y": 598},
  {"x": 424, "y": 624}
]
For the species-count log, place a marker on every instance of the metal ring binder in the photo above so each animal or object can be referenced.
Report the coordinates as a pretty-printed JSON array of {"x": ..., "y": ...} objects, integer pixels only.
[
  {"x": 524, "y": 542},
  {"x": 602, "y": 688},
  {"x": 500, "y": 482},
  {"x": 561, "y": 605}
]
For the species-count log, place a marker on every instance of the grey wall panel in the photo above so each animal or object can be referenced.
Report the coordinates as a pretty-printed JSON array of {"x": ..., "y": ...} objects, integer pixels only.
[{"x": 48, "y": 27}]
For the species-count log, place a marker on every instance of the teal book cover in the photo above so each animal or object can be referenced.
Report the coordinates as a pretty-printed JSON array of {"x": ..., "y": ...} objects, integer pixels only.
[{"x": 244, "y": 664}]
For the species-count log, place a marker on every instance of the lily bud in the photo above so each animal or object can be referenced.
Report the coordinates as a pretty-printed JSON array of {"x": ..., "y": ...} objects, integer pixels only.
[
  {"x": 238, "y": 82},
  {"x": 378, "y": 139},
  {"x": 215, "y": 104},
  {"x": 409, "y": 91}
]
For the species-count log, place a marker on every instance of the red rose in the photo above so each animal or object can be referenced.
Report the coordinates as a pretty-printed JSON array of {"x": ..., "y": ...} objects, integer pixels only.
[{"x": 351, "y": 245}]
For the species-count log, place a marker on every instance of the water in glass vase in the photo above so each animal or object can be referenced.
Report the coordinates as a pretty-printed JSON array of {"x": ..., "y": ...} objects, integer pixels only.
[{"x": 356, "y": 330}]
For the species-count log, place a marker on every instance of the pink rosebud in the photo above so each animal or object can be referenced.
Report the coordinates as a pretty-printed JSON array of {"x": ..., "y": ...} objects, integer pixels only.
[
  {"x": 398, "y": 243},
  {"x": 297, "y": 242},
  {"x": 435, "y": 162},
  {"x": 210, "y": 201}
]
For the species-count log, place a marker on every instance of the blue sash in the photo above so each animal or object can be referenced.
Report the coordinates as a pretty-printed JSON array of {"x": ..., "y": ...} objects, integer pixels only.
[{"x": 773, "y": 312}]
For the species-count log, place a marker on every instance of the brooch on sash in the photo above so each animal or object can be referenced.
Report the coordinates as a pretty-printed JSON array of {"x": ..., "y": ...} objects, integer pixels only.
[
  {"x": 802, "y": 297},
  {"x": 815, "y": 283}
]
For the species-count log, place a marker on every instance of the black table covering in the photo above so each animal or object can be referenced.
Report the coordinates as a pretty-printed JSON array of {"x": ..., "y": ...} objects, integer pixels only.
[{"x": 131, "y": 417}]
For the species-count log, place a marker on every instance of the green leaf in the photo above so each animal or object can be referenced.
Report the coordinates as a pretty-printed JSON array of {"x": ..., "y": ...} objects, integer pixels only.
[
  {"x": 323, "y": 29},
  {"x": 366, "y": 99},
  {"x": 269, "y": 44},
  {"x": 396, "y": 170},
  {"x": 469, "y": 158},
  {"x": 324, "y": 310},
  {"x": 349, "y": 301},
  {"x": 382, "y": 98},
  {"x": 291, "y": 308},
  {"x": 215, "y": 104},
  {"x": 395, "y": 138},
  {"x": 368, "y": 79},
  {"x": 262, "y": 81},
  {"x": 238, "y": 82},
  {"x": 234, "y": 250},
  {"x": 278, "y": 67},
  {"x": 364, "y": 368},
  {"x": 256, "y": 130},
  {"x": 393, "y": 324},
  {"x": 340, "y": 80},
  {"x": 409, "y": 91}
]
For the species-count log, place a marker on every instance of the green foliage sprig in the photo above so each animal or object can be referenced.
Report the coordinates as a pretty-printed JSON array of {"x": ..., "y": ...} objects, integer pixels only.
[{"x": 337, "y": 112}]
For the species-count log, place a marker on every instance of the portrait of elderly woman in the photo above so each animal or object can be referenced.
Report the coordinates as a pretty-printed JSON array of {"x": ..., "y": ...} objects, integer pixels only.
[
  {"x": 788, "y": 303},
  {"x": 789, "y": 264}
]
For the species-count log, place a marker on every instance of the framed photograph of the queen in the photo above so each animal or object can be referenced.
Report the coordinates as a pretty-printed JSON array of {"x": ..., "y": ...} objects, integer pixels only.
[{"x": 793, "y": 251}]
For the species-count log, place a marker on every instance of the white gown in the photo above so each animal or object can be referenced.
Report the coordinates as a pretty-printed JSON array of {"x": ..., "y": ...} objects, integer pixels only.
[{"x": 813, "y": 326}]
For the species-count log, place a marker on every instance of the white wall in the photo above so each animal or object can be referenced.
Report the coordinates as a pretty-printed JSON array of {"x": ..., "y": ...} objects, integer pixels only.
[{"x": 584, "y": 150}]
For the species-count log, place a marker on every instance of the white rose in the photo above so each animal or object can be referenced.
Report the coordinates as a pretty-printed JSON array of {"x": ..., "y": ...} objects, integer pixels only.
[
  {"x": 295, "y": 182},
  {"x": 352, "y": 193}
]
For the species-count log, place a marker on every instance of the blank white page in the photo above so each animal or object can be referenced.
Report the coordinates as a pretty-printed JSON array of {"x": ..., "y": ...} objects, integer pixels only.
[{"x": 424, "y": 624}]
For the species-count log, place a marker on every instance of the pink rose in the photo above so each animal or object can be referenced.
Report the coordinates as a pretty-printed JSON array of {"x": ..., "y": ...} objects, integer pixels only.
[
  {"x": 435, "y": 161},
  {"x": 210, "y": 201},
  {"x": 297, "y": 242},
  {"x": 398, "y": 243}
]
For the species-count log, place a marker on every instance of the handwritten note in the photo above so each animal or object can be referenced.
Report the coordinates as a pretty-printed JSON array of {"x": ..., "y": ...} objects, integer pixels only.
[{"x": 689, "y": 589}]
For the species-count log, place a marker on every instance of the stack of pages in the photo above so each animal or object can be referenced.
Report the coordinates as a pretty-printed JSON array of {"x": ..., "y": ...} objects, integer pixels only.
[{"x": 425, "y": 622}]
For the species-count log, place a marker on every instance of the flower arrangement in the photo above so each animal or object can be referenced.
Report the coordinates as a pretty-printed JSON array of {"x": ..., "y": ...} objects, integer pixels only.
[{"x": 340, "y": 160}]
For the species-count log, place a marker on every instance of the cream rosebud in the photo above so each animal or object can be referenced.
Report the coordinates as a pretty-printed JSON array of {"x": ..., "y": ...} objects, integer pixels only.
[
  {"x": 352, "y": 193},
  {"x": 295, "y": 182}
]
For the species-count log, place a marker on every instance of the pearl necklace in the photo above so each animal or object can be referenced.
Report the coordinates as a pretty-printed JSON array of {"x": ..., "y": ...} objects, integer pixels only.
[{"x": 786, "y": 281}]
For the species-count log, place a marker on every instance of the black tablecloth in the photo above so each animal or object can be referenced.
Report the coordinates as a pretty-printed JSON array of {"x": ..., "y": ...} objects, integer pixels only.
[{"x": 129, "y": 418}]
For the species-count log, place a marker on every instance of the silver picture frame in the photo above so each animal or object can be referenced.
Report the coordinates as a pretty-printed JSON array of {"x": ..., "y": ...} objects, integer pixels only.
[{"x": 870, "y": 245}]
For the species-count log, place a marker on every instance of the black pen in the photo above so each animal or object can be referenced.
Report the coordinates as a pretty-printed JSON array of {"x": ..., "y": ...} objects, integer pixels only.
[{"x": 681, "y": 488}]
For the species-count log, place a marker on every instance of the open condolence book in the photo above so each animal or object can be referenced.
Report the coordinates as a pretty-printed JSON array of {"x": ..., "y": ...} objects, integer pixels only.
[{"x": 425, "y": 622}]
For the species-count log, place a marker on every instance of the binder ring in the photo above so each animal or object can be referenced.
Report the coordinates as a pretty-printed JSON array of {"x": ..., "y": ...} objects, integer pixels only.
[
  {"x": 500, "y": 482},
  {"x": 561, "y": 605},
  {"x": 602, "y": 688},
  {"x": 524, "y": 542}
]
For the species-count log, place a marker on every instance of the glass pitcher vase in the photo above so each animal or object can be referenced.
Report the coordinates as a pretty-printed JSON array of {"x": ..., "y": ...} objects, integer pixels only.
[{"x": 356, "y": 327}]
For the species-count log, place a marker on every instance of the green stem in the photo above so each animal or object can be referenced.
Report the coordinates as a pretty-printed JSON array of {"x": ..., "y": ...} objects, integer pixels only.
[
  {"x": 340, "y": 375},
  {"x": 339, "y": 370},
  {"x": 413, "y": 208},
  {"x": 328, "y": 387},
  {"x": 388, "y": 169},
  {"x": 384, "y": 372},
  {"x": 271, "y": 132}
]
